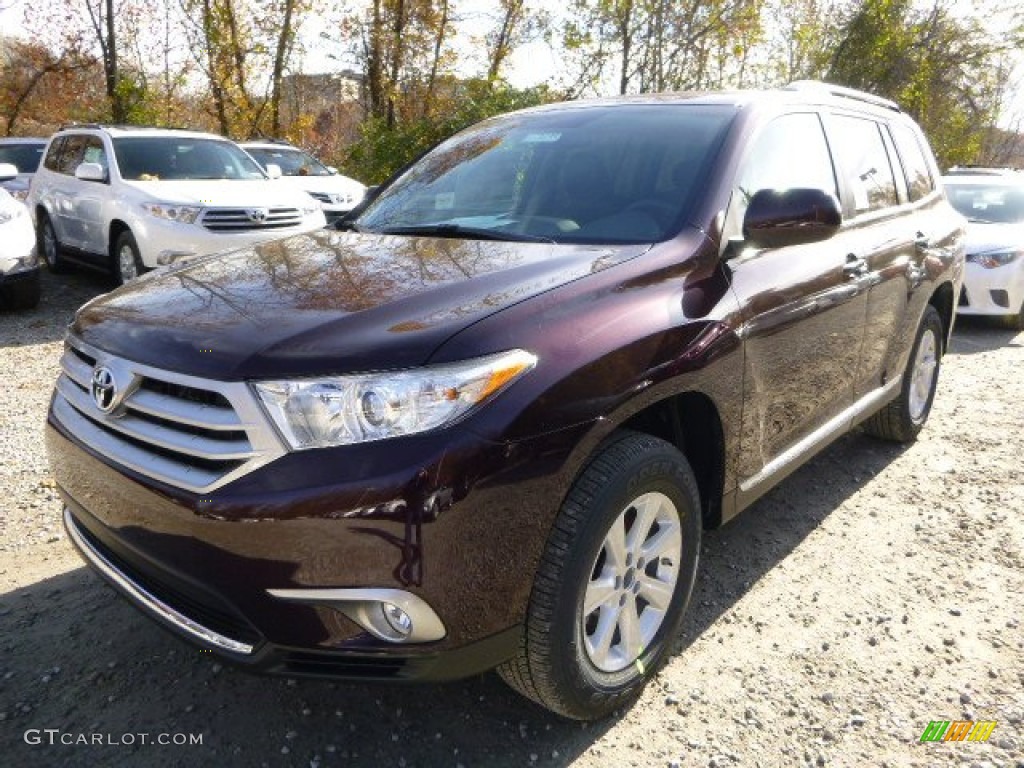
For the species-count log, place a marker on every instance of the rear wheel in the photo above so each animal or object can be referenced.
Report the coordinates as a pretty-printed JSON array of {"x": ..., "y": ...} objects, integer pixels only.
[
  {"x": 612, "y": 587},
  {"x": 127, "y": 264},
  {"x": 902, "y": 419},
  {"x": 49, "y": 246}
]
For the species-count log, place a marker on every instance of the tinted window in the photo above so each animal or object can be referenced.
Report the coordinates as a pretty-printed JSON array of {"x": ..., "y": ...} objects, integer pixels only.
[
  {"x": 789, "y": 153},
  {"x": 52, "y": 161},
  {"x": 292, "y": 162},
  {"x": 25, "y": 157},
  {"x": 72, "y": 153},
  {"x": 860, "y": 151},
  {"x": 595, "y": 175},
  {"x": 915, "y": 164}
]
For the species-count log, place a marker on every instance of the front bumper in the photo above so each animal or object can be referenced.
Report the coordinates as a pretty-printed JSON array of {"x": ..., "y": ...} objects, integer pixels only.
[
  {"x": 998, "y": 291},
  {"x": 464, "y": 542}
]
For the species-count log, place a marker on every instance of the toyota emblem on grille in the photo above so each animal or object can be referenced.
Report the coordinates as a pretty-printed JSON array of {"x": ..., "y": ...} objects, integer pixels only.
[
  {"x": 104, "y": 389},
  {"x": 257, "y": 215}
]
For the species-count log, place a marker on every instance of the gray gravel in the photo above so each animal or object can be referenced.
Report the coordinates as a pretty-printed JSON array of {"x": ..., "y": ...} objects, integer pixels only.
[{"x": 877, "y": 589}]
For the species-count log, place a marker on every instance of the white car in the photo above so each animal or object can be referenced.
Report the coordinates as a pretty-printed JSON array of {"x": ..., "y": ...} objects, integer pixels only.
[
  {"x": 994, "y": 274},
  {"x": 131, "y": 199},
  {"x": 19, "y": 269},
  {"x": 337, "y": 194}
]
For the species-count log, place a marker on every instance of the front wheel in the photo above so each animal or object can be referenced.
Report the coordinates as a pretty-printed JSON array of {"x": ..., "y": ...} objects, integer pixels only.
[
  {"x": 127, "y": 262},
  {"x": 49, "y": 246},
  {"x": 24, "y": 293},
  {"x": 902, "y": 419},
  {"x": 1015, "y": 322},
  {"x": 614, "y": 581}
]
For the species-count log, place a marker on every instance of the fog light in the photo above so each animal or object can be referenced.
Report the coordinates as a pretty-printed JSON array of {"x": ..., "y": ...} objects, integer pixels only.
[
  {"x": 169, "y": 257},
  {"x": 397, "y": 619}
]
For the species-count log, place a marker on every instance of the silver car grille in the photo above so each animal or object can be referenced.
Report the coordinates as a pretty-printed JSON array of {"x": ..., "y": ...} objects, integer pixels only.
[
  {"x": 250, "y": 219},
  {"x": 185, "y": 431}
]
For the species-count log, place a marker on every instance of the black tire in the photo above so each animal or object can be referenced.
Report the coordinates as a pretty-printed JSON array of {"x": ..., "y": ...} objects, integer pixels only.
[
  {"x": 48, "y": 245},
  {"x": 902, "y": 419},
  {"x": 23, "y": 294},
  {"x": 554, "y": 666},
  {"x": 126, "y": 263}
]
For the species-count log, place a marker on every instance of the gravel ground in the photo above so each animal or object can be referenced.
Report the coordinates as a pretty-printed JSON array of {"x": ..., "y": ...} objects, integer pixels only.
[{"x": 877, "y": 589}]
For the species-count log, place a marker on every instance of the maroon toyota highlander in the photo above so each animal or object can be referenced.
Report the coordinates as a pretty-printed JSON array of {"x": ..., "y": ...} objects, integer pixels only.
[{"x": 484, "y": 424}]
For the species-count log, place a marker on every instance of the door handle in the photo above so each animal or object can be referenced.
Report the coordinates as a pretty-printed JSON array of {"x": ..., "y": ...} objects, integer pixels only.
[{"x": 855, "y": 266}]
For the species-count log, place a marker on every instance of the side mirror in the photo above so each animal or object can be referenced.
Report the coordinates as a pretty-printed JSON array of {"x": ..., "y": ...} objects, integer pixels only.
[
  {"x": 273, "y": 170},
  {"x": 333, "y": 170},
  {"x": 777, "y": 218},
  {"x": 8, "y": 171},
  {"x": 90, "y": 172}
]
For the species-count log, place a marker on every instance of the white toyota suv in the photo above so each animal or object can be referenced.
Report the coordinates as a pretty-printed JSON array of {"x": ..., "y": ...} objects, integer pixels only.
[{"x": 129, "y": 199}]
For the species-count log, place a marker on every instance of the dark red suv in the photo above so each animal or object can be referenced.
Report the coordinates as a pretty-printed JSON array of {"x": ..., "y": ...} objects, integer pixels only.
[{"x": 485, "y": 424}]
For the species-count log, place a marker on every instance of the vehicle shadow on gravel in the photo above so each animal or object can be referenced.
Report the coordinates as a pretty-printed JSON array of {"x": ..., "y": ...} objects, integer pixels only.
[
  {"x": 80, "y": 659},
  {"x": 61, "y": 296},
  {"x": 972, "y": 335}
]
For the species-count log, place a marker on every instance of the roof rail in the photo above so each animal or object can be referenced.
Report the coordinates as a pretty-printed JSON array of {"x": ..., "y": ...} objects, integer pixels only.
[
  {"x": 843, "y": 92},
  {"x": 123, "y": 127}
]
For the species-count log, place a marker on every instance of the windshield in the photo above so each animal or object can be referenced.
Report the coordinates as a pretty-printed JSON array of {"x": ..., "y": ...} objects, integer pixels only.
[
  {"x": 25, "y": 157},
  {"x": 621, "y": 174},
  {"x": 166, "y": 158},
  {"x": 293, "y": 162},
  {"x": 988, "y": 203}
]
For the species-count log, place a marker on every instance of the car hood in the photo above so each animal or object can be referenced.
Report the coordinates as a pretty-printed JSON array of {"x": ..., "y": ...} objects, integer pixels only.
[
  {"x": 327, "y": 302},
  {"x": 223, "y": 193},
  {"x": 340, "y": 184},
  {"x": 985, "y": 238}
]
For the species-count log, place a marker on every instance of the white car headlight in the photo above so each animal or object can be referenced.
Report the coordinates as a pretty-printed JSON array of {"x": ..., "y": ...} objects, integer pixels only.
[
  {"x": 994, "y": 259},
  {"x": 357, "y": 409},
  {"x": 183, "y": 214}
]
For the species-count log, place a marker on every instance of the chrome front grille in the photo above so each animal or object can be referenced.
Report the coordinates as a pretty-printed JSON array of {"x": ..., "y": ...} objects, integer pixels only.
[
  {"x": 250, "y": 219},
  {"x": 184, "y": 431}
]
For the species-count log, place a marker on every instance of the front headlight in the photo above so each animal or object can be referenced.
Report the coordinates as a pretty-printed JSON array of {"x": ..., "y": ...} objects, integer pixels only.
[
  {"x": 994, "y": 259},
  {"x": 357, "y": 409},
  {"x": 183, "y": 214}
]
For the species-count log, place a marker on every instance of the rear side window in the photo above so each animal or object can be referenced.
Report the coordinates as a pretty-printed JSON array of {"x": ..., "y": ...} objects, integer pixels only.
[
  {"x": 72, "y": 154},
  {"x": 915, "y": 165},
  {"x": 52, "y": 160},
  {"x": 861, "y": 153}
]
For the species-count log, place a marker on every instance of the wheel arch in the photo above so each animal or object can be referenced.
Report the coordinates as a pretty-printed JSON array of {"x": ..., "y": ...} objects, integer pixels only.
[
  {"x": 116, "y": 228},
  {"x": 691, "y": 422}
]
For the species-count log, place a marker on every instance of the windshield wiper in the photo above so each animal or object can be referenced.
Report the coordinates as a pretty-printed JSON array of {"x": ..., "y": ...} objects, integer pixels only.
[{"x": 458, "y": 230}]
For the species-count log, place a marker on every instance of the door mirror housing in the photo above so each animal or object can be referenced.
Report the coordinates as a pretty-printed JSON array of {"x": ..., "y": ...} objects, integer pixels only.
[
  {"x": 8, "y": 171},
  {"x": 90, "y": 172},
  {"x": 776, "y": 218},
  {"x": 273, "y": 171}
]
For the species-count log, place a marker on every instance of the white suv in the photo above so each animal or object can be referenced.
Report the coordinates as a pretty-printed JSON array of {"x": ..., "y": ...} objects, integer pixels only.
[
  {"x": 337, "y": 194},
  {"x": 130, "y": 199}
]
